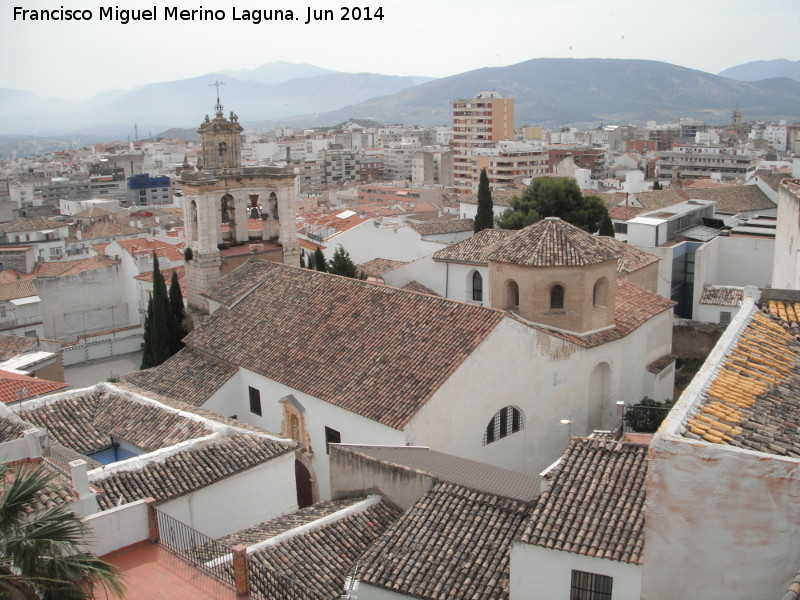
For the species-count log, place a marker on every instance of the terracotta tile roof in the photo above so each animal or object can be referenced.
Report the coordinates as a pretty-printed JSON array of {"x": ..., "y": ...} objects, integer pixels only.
[
  {"x": 314, "y": 564},
  {"x": 94, "y": 212},
  {"x": 499, "y": 197},
  {"x": 453, "y": 543},
  {"x": 442, "y": 227},
  {"x": 304, "y": 516},
  {"x": 167, "y": 273},
  {"x": 13, "y": 345},
  {"x": 631, "y": 259},
  {"x": 375, "y": 368},
  {"x": 187, "y": 376},
  {"x": 416, "y": 286},
  {"x": 477, "y": 476},
  {"x": 15, "y": 387},
  {"x": 731, "y": 198},
  {"x": 625, "y": 213},
  {"x": 139, "y": 246},
  {"x": 86, "y": 420},
  {"x": 108, "y": 229},
  {"x": 634, "y": 307},
  {"x": 29, "y": 224},
  {"x": 378, "y": 266},
  {"x": 189, "y": 470},
  {"x": 67, "y": 268},
  {"x": 703, "y": 183},
  {"x": 474, "y": 250},
  {"x": 10, "y": 275},
  {"x": 660, "y": 364},
  {"x": 594, "y": 504},
  {"x": 753, "y": 401},
  {"x": 22, "y": 288},
  {"x": 233, "y": 286},
  {"x": 57, "y": 492},
  {"x": 793, "y": 593},
  {"x": 773, "y": 180},
  {"x": 552, "y": 242},
  {"x": 721, "y": 295}
]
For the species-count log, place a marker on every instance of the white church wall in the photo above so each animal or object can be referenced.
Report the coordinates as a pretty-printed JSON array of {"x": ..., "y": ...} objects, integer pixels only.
[{"x": 367, "y": 241}]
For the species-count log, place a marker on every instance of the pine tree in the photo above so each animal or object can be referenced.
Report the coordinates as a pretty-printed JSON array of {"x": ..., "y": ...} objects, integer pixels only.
[
  {"x": 342, "y": 264},
  {"x": 606, "y": 226},
  {"x": 303, "y": 259},
  {"x": 554, "y": 197},
  {"x": 147, "y": 352},
  {"x": 484, "y": 219},
  {"x": 319, "y": 260},
  {"x": 178, "y": 314}
]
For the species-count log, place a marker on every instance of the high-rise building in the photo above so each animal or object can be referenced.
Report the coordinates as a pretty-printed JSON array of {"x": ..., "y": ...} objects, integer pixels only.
[{"x": 478, "y": 123}]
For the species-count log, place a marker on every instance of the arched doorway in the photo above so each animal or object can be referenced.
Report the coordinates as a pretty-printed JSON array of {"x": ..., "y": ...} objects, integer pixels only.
[{"x": 305, "y": 493}]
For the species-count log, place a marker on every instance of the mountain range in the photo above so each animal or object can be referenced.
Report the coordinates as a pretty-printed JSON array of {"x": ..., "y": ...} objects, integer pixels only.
[
  {"x": 547, "y": 91},
  {"x": 764, "y": 69}
]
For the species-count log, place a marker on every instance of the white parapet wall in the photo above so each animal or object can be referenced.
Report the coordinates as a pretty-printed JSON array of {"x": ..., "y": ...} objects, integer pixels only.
[{"x": 118, "y": 527}]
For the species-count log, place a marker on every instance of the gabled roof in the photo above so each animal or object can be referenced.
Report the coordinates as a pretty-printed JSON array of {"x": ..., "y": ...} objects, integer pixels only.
[
  {"x": 66, "y": 268},
  {"x": 229, "y": 289},
  {"x": 442, "y": 227},
  {"x": 94, "y": 212},
  {"x": 57, "y": 492},
  {"x": 12, "y": 345},
  {"x": 416, "y": 286},
  {"x": 22, "y": 288},
  {"x": 475, "y": 249},
  {"x": 752, "y": 400},
  {"x": 552, "y": 242},
  {"x": 107, "y": 229},
  {"x": 499, "y": 197},
  {"x": 730, "y": 198},
  {"x": 594, "y": 504},
  {"x": 314, "y": 563},
  {"x": 29, "y": 224},
  {"x": 140, "y": 246},
  {"x": 187, "y": 376},
  {"x": 374, "y": 350},
  {"x": 721, "y": 295},
  {"x": 378, "y": 266},
  {"x": 15, "y": 387},
  {"x": 453, "y": 543}
]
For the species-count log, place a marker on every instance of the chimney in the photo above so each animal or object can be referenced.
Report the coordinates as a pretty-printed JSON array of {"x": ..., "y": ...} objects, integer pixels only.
[
  {"x": 79, "y": 469},
  {"x": 33, "y": 443}
]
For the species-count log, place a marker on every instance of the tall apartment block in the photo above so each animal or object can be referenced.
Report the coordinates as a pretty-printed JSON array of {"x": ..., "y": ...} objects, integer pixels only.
[{"x": 478, "y": 123}]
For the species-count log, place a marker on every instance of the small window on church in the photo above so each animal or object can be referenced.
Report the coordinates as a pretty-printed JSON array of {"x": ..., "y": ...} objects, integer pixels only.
[
  {"x": 477, "y": 287},
  {"x": 557, "y": 297},
  {"x": 255, "y": 401}
]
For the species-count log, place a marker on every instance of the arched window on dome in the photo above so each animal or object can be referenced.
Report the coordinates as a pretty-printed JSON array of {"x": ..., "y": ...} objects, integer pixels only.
[
  {"x": 557, "y": 297},
  {"x": 505, "y": 421}
]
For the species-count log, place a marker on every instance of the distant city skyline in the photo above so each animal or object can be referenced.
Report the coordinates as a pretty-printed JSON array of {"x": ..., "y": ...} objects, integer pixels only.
[{"x": 75, "y": 60}]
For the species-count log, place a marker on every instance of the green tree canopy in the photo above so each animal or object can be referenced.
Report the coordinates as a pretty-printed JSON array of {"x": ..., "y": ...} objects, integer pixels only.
[
  {"x": 342, "y": 264},
  {"x": 484, "y": 219},
  {"x": 178, "y": 313},
  {"x": 41, "y": 554},
  {"x": 554, "y": 197},
  {"x": 646, "y": 415},
  {"x": 606, "y": 226}
]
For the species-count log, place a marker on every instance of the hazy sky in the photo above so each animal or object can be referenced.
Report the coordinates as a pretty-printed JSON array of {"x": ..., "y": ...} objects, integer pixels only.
[{"x": 77, "y": 59}]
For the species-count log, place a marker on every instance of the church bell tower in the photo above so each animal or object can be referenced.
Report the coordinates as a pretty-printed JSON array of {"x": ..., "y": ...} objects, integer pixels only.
[{"x": 221, "y": 199}]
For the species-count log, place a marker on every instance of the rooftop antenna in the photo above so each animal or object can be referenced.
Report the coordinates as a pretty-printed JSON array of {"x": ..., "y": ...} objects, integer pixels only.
[{"x": 218, "y": 105}]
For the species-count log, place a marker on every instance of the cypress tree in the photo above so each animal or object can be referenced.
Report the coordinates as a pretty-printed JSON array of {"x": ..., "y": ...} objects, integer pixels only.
[
  {"x": 319, "y": 260},
  {"x": 342, "y": 264},
  {"x": 178, "y": 314},
  {"x": 159, "y": 330},
  {"x": 606, "y": 226},
  {"x": 484, "y": 219}
]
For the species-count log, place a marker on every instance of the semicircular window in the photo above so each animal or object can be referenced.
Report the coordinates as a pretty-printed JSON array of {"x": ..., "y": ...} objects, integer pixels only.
[{"x": 505, "y": 421}]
